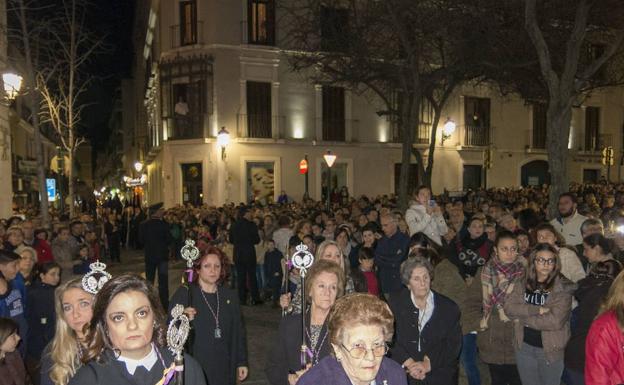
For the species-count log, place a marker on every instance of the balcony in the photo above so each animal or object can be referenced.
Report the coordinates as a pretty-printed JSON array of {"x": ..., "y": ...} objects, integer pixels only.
[
  {"x": 423, "y": 134},
  {"x": 181, "y": 37},
  {"x": 184, "y": 127},
  {"x": 260, "y": 126},
  {"x": 478, "y": 136}
]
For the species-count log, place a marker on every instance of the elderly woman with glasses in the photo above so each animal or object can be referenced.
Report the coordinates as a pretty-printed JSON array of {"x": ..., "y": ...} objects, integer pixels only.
[
  {"x": 359, "y": 326},
  {"x": 428, "y": 336}
]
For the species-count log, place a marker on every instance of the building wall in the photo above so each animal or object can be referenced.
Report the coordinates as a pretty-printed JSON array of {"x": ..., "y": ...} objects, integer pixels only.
[{"x": 297, "y": 112}]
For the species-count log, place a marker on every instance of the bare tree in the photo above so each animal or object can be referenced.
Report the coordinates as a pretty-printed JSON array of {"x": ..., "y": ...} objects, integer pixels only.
[
  {"x": 26, "y": 37},
  {"x": 576, "y": 47},
  {"x": 63, "y": 81},
  {"x": 404, "y": 52}
]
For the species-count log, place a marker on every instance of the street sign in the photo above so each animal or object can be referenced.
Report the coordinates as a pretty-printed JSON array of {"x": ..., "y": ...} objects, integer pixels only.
[
  {"x": 303, "y": 166},
  {"x": 27, "y": 167},
  {"x": 54, "y": 164},
  {"x": 51, "y": 188}
]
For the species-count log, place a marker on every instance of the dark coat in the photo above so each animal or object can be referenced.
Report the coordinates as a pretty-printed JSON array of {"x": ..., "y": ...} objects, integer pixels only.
[
  {"x": 110, "y": 371},
  {"x": 12, "y": 370},
  {"x": 590, "y": 293},
  {"x": 155, "y": 235},
  {"x": 219, "y": 358},
  {"x": 243, "y": 236},
  {"x": 285, "y": 356},
  {"x": 389, "y": 254},
  {"x": 440, "y": 340},
  {"x": 330, "y": 372},
  {"x": 41, "y": 318}
]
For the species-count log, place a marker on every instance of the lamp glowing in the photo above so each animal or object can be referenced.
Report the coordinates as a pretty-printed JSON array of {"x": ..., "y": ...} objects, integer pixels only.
[
  {"x": 448, "y": 129},
  {"x": 223, "y": 140},
  {"x": 12, "y": 84},
  {"x": 138, "y": 166}
]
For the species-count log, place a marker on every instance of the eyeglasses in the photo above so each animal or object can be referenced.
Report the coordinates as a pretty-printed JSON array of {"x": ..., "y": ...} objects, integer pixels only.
[
  {"x": 545, "y": 261},
  {"x": 359, "y": 352}
]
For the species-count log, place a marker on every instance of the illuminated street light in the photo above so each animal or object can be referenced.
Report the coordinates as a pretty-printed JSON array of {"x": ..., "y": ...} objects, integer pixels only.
[
  {"x": 223, "y": 140},
  {"x": 12, "y": 85},
  {"x": 448, "y": 129},
  {"x": 138, "y": 166},
  {"x": 329, "y": 159}
]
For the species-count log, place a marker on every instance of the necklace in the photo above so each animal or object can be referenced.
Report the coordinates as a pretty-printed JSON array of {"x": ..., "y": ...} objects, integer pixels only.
[
  {"x": 315, "y": 348},
  {"x": 217, "y": 331}
]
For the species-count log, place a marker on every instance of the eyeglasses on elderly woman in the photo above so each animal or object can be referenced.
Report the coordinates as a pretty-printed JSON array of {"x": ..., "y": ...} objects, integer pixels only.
[{"x": 359, "y": 351}]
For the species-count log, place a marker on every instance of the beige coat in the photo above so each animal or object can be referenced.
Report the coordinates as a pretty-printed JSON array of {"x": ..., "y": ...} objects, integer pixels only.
[{"x": 555, "y": 325}]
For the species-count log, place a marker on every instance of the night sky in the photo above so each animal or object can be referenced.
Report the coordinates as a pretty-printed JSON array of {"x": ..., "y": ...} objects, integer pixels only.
[{"x": 111, "y": 19}]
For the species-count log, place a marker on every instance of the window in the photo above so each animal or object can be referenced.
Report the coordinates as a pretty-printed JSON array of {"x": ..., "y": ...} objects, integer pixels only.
[
  {"x": 259, "y": 109},
  {"x": 477, "y": 121},
  {"x": 334, "y": 23},
  {"x": 188, "y": 22},
  {"x": 333, "y": 114},
  {"x": 261, "y": 22},
  {"x": 539, "y": 125},
  {"x": 472, "y": 177},
  {"x": 592, "y": 128}
]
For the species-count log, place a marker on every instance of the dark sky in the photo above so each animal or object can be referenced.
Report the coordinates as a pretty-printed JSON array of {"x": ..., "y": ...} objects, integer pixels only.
[{"x": 112, "y": 20}]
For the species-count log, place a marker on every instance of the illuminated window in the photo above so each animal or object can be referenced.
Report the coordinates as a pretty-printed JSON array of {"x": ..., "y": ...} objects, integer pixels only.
[
  {"x": 188, "y": 22},
  {"x": 261, "y": 22}
]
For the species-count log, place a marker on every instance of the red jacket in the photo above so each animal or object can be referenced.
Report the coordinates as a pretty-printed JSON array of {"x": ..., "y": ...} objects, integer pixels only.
[
  {"x": 44, "y": 251},
  {"x": 604, "y": 350}
]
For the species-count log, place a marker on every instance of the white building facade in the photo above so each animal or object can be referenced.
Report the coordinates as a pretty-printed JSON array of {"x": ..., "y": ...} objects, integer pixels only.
[{"x": 203, "y": 65}]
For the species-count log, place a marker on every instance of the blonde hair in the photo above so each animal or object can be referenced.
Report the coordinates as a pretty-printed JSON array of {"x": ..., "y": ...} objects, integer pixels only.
[
  {"x": 359, "y": 309},
  {"x": 64, "y": 347},
  {"x": 615, "y": 300},
  {"x": 320, "y": 250}
]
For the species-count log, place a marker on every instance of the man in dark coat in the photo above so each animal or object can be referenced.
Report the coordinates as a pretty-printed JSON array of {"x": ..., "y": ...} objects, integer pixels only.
[
  {"x": 244, "y": 236},
  {"x": 390, "y": 252},
  {"x": 155, "y": 235}
]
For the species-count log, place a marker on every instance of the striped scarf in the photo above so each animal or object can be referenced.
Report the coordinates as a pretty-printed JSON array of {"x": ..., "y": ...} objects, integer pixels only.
[{"x": 497, "y": 280}]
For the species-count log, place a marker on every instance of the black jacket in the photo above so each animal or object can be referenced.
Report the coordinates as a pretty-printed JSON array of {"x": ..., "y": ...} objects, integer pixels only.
[
  {"x": 441, "y": 337},
  {"x": 41, "y": 318},
  {"x": 243, "y": 236},
  {"x": 285, "y": 356},
  {"x": 155, "y": 235},
  {"x": 590, "y": 293},
  {"x": 110, "y": 371}
]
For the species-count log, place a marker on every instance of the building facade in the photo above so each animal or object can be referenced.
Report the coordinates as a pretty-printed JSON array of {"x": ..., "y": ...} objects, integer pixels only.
[{"x": 203, "y": 65}]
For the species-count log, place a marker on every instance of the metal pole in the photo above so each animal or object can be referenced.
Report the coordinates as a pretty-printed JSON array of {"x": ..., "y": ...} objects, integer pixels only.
[
  {"x": 60, "y": 164},
  {"x": 328, "y": 188},
  {"x": 304, "y": 347},
  {"x": 306, "y": 195}
]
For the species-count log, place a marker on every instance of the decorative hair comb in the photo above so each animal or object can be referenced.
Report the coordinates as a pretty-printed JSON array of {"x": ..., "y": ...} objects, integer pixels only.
[{"x": 93, "y": 281}]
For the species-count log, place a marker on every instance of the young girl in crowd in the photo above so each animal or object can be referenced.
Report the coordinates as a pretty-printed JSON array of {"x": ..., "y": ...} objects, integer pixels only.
[
  {"x": 12, "y": 370},
  {"x": 541, "y": 310},
  {"x": 42, "y": 246},
  {"x": 61, "y": 358},
  {"x": 40, "y": 315},
  {"x": 496, "y": 280}
]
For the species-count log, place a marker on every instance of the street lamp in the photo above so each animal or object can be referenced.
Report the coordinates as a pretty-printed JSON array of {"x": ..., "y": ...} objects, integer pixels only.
[
  {"x": 223, "y": 140},
  {"x": 329, "y": 159},
  {"x": 12, "y": 85},
  {"x": 138, "y": 166},
  {"x": 448, "y": 129}
]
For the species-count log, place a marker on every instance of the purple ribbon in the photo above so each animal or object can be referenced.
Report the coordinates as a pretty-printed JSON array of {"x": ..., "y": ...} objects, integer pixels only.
[
  {"x": 190, "y": 274},
  {"x": 169, "y": 376}
]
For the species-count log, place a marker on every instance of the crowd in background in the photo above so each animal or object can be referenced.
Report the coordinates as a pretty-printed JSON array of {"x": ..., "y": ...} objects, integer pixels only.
[{"x": 490, "y": 276}]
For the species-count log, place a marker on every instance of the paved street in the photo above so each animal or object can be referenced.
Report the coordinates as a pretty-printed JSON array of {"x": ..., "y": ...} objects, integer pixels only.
[{"x": 261, "y": 321}]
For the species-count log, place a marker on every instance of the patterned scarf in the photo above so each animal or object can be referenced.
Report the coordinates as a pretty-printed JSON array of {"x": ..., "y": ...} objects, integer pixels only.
[{"x": 497, "y": 281}]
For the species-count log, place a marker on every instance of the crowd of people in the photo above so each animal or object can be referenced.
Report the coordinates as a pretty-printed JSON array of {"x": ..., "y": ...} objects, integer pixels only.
[{"x": 454, "y": 281}]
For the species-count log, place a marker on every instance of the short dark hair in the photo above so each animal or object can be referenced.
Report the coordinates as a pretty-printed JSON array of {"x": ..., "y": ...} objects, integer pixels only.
[
  {"x": 570, "y": 195},
  {"x": 421, "y": 187},
  {"x": 365, "y": 253},
  {"x": 225, "y": 267},
  {"x": 606, "y": 244},
  {"x": 7, "y": 256}
]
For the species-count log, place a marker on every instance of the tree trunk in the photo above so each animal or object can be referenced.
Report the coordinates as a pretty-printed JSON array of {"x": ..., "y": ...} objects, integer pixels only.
[
  {"x": 558, "y": 117},
  {"x": 70, "y": 183},
  {"x": 408, "y": 122}
]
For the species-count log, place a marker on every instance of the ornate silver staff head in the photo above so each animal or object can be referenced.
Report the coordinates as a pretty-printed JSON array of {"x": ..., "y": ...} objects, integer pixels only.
[
  {"x": 178, "y": 331},
  {"x": 302, "y": 259},
  {"x": 189, "y": 252},
  {"x": 93, "y": 281}
]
